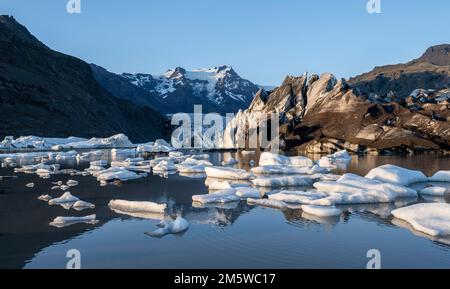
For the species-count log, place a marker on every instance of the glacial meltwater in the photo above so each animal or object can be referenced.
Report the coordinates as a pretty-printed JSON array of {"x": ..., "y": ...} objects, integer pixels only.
[{"x": 231, "y": 235}]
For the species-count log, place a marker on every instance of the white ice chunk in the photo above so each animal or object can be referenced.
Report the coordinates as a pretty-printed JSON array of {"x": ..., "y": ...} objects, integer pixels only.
[
  {"x": 30, "y": 185},
  {"x": 298, "y": 197},
  {"x": 247, "y": 192},
  {"x": 222, "y": 185},
  {"x": 45, "y": 198},
  {"x": 430, "y": 218},
  {"x": 164, "y": 166},
  {"x": 270, "y": 159},
  {"x": 287, "y": 181},
  {"x": 136, "y": 206},
  {"x": 280, "y": 170},
  {"x": 321, "y": 211},
  {"x": 81, "y": 205},
  {"x": 72, "y": 183},
  {"x": 227, "y": 173},
  {"x": 267, "y": 203},
  {"x": 434, "y": 191},
  {"x": 115, "y": 141},
  {"x": 116, "y": 173},
  {"x": 67, "y": 197},
  {"x": 170, "y": 227},
  {"x": 396, "y": 175},
  {"x": 222, "y": 196},
  {"x": 60, "y": 222},
  {"x": 441, "y": 176}
]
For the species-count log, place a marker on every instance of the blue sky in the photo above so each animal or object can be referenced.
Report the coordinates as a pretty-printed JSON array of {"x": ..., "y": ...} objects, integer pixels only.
[{"x": 263, "y": 40}]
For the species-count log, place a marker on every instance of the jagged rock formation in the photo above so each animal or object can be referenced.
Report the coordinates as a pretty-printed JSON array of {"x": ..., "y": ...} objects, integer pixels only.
[
  {"x": 47, "y": 93},
  {"x": 323, "y": 114}
]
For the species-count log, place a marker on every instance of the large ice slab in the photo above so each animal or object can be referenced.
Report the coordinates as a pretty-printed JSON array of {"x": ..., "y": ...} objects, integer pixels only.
[
  {"x": 268, "y": 203},
  {"x": 115, "y": 141},
  {"x": 321, "y": 211},
  {"x": 440, "y": 176},
  {"x": 222, "y": 196},
  {"x": 36, "y": 142},
  {"x": 336, "y": 160},
  {"x": 61, "y": 222},
  {"x": 396, "y": 175},
  {"x": 227, "y": 173},
  {"x": 298, "y": 197},
  {"x": 286, "y": 181},
  {"x": 430, "y": 218},
  {"x": 116, "y": 173},
  {"x": 271, "y": 159},
  {"x": 136, "y": 206},
  {"x": 215, "y": 184},
  {"x": 247, "y": 192}
]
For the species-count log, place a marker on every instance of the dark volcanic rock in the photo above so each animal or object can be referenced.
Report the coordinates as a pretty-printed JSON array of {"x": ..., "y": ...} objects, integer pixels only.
[
  {"x": 47, "y": 93},
  {"x": 430, "y": 71}
]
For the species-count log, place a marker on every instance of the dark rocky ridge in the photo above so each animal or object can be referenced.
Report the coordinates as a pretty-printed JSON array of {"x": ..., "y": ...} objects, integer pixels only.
[
  {"x": 47, "y": 93},
  {"x": 323, "y": 114},
  {"x": 430, "y": 71}
]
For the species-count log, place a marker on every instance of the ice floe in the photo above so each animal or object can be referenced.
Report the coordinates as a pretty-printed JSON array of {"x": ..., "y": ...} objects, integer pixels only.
[
  {"x": 280, "y": 170},
  {"x": 45, "y": 198},
  {"x": 215, "y": 184},
  {"x": 440, "y": 176},
  {"x": 116, "y": 173},
  {"x": 115, "y": 141},
  {"x": 136, "y": 206},
  {"x": 286, "y": 181},
  {"x": 170, "y": 227},
  {"x": 165, "y": 166},
  {"x": 271, "y": 159},
  {"x": 230, "y": 162},
  {"x": 247, "y": 192},
  {"x": 396, "y": 175},
  {"x": 430, "y": 218},
  {"x": 82, "y": 205},
  {"x": 159, "y": 146},
  {"x": 34, "y": 142},
  {"x": 434, "y": 191},
  {"x": 72, "y": 183},
  {"x": 339, "y": 159},
  {"x": 298, "y": 197},
  {"x": 60, "y": 222},
  {"x": 227, "y": 173},
  {"x": 321, "y": 211},
  {"x": 267, "y": 203},
  {"x": 221, "y": 196},
  {"x": 67, "y": 197},
  {"x": 30, "y": 185}
]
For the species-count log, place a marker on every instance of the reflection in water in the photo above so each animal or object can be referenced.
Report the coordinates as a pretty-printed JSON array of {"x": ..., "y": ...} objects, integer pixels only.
[{"x": 249, "y": 236}]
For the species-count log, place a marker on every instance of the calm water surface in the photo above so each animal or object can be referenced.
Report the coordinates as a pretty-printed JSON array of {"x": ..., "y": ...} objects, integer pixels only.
[{"x": 231, "y": 236}]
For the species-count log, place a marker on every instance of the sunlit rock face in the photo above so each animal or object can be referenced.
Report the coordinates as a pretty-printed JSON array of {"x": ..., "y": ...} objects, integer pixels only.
[{"x": 324, "y": 114}]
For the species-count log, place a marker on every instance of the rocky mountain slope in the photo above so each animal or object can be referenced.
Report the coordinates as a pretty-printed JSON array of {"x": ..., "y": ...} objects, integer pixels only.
[
  {"x": 47, "y": 93},
  {"x": 430, "y": 71},
  {"x": 323, "y": 114},
  {"x": 219, "y": 89}
]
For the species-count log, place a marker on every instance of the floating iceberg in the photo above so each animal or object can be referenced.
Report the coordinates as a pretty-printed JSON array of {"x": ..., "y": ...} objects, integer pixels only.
[
  {"x": 297, "y": 197},
  {"x": 230, "y": 162},
  {"x": 35, "y": 142},
  {"x": 268, "y": 203},
  {"x": 136, "y": 206},
  {"x": 434, "y": 191},
  {"x": 396, "y": 175},
  {"x": 321, "y": 211},
  {"x": 431, "y": 218},
  {"x": 67, "y": 197},
  {"x": 271, "y": 159},
  {"x": 287, "y": 181},
  {"x": 222, "y": 196},
  {"x": 336, "y": 160},
  {"x": 72, "y": 183},
  {"x": 159, "y": 146},
  {"x": 115, "y": 141},
  {"x": 247, "y": 192},
  {"x": 30, "y": 185},
  {"x": 82, "y": 205},
  {"x": 280, "y": 170},
  {"x": 214, "y": 184},
  {"x": 60, "y": 222},
  {"x": 227, "y": 173},
  {"x": 441, "y": 176},
  {"x": 116, "y": 173},
  {"x": 170, "y": 227},
  {"x": 45, "y": 198},
  {"x": 164, "y": 166}
]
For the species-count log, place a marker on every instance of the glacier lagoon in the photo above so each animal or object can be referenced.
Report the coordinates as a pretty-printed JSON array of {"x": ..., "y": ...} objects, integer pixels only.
[{"x": 232, "y": 235}]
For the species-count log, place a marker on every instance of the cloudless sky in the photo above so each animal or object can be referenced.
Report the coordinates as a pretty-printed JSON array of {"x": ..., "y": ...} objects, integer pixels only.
[{"x": 263, "y": 40}]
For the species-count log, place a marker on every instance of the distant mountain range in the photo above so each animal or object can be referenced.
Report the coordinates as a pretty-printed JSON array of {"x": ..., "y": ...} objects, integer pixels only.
[
  {"x": 47, "y": 93},
  {"x": 219, "y": 89}
]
